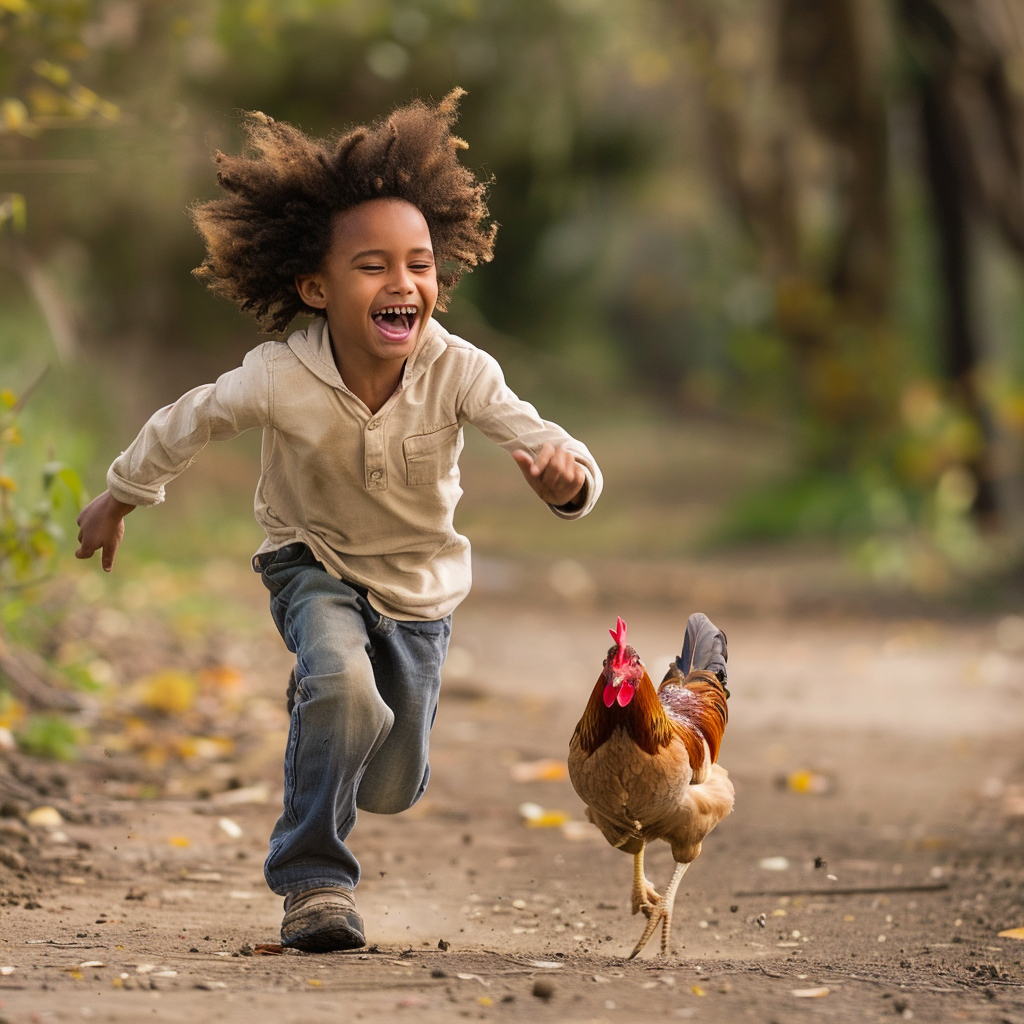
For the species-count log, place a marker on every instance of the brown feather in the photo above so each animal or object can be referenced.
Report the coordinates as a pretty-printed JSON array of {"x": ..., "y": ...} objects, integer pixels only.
[
  {"x": 643, "y": 718},
  {"x": 697, "y": 703}
]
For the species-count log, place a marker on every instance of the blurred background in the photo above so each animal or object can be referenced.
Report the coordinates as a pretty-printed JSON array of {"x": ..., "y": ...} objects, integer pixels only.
[{"x": 765, "y": 256}]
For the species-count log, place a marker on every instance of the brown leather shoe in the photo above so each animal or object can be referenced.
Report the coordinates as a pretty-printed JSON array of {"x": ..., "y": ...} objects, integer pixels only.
[{"x": 321, "y": 920}]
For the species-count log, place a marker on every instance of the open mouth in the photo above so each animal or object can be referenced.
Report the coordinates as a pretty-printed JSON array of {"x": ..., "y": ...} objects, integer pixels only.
[{"x": 395, "y": 322}]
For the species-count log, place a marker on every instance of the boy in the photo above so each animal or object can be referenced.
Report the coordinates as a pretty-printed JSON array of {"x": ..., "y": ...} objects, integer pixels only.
[{"x": 362, "y": 416}]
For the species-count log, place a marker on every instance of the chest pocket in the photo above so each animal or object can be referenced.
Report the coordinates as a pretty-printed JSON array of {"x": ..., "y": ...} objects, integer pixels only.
[{"x": 429, "y": 457}]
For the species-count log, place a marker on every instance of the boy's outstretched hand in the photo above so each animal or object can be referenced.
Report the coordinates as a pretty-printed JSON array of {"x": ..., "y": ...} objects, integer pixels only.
[
  {"x": 555, "y": 475},
  {"x": 101, "y": 525}
]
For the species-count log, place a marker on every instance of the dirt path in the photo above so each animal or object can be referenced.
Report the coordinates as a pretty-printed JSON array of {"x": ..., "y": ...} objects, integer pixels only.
[{"x": 150, "y": 910}]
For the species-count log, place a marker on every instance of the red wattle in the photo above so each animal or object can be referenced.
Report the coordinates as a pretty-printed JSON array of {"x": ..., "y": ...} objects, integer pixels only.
[
  {"x": 609, "y": 695},
  {"x": 626, "y": 691}
]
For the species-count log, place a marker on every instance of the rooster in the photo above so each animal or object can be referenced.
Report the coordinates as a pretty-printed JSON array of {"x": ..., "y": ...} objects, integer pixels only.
[{"x": 644, "y": 761}]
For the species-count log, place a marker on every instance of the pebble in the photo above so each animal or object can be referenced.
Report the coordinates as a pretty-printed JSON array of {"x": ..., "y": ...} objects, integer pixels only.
[{"x": 543, "y": 989}]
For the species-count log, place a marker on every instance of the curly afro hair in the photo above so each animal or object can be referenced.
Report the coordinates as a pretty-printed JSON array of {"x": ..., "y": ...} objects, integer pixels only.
[{"x": 277, "y": 217}]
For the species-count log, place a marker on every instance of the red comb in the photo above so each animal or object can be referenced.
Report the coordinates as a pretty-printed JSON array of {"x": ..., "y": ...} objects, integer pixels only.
[{"x": 618, "y": 634}]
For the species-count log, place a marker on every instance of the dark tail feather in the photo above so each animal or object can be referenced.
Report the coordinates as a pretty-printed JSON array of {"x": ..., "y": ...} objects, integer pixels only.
[{"x": 705, "y": 648}]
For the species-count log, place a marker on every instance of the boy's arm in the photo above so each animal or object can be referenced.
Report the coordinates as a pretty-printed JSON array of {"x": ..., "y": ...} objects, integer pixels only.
[
  {"x": 165, "y": 447},
  {"x": 557, "y": 466},
  {"x": 174, "y": 435}
]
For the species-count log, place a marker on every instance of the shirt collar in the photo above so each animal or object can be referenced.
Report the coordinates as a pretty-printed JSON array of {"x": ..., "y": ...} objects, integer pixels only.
[{"x": 312, "y": 347}]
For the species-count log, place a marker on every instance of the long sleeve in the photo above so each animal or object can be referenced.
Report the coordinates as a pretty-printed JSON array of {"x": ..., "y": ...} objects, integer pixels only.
[
  {"x": 173, "y": 436},
  {"x": 515, "y": 425}
]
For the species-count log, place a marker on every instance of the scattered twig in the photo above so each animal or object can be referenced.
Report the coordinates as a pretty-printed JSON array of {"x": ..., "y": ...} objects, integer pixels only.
[
  {"x": 33, "y": 681},
  {"x": 848, "y": 891}
]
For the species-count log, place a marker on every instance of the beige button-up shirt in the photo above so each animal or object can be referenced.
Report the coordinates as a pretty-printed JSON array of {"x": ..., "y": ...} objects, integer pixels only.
[{"x": 372, "y": 494}]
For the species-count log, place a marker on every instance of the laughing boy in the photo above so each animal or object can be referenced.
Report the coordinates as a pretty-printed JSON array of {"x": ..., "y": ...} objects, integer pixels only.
[{"x": 362, "y": 414}]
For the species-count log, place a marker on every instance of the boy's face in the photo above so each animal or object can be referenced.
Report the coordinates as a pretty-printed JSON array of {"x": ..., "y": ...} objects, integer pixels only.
[{"x": 378, "y": 282}]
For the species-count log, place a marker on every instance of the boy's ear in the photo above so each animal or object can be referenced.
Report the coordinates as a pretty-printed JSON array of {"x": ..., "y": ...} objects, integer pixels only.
[{"x": 310, "y": 290}]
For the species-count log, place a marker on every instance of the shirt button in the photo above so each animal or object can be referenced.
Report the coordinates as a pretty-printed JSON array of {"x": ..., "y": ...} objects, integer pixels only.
[
  {"x": 376, "y": 475},
  {"x": 372, "y": 425}
]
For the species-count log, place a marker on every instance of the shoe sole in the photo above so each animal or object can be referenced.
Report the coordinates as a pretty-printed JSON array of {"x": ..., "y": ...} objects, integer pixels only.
[{"x": 325, "y": 940}]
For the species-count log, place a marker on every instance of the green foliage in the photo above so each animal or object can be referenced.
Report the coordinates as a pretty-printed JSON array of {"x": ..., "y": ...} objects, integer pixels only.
[
  {"x": 50, "y": 736},
  {"x": 29, "y": 531}
]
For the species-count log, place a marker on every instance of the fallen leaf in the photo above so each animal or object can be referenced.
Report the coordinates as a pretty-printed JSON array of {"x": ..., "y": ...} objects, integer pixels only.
[
  {"x": 44, "y": 817},
  {"x": 1012, "y": 933},
  {"x": 314, "y": 982},
  {"x": 810, "y": 993},
  {"x": 697, "y": 990},
  {"x": 485, "y": 1001},
  {"x": 170, "y": 692},
  {"x": 180, "y": 841},
  {"x": 473, "y": 977},
  {"x": 92, "y": 963},
  {"x": 232, "y": 828},
  {"x": 268, "y": 949},
  {"x": 549, "y": 819},
  {"x": 808, "y": 782},
  {"x": 550, "y": 965},
  {"x": 258, "y": 794},
  {"x": 547, "y": 769}
]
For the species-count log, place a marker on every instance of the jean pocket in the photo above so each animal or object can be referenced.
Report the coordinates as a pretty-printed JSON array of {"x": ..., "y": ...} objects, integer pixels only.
[{"x": 275, "y": 564}]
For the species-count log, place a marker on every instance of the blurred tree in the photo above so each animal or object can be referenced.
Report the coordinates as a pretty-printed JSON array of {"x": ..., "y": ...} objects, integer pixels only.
[{"x": 801, "y": 103}]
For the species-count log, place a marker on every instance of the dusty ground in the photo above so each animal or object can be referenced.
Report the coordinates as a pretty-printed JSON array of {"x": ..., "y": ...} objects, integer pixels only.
[{"x": 913, "y": 728}]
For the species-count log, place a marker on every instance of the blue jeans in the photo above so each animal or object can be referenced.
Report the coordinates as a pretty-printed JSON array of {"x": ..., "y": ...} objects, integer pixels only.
[{"x": 365, "y": 701}]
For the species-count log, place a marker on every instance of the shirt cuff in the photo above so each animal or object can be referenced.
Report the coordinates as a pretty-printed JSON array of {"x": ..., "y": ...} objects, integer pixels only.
[
  {"x": 132, "y": 493},
  {"x": 579, "y": 506}
]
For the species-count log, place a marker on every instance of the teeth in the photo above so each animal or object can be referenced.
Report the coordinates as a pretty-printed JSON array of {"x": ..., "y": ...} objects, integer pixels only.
[{"x": 406, "y": 310}]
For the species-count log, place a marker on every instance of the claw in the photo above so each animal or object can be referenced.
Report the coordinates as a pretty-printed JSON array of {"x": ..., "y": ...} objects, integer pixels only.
[{"x": 661, "y": 913}]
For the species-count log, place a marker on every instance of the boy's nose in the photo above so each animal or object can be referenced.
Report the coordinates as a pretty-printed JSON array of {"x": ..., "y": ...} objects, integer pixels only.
[{"x": 401, "y": 283}]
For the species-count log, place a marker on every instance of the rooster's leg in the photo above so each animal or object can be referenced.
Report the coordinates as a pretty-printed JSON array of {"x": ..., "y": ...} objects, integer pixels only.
[
  {"x": 661, "y": 914},
  {"x": 644, "y": 896}
]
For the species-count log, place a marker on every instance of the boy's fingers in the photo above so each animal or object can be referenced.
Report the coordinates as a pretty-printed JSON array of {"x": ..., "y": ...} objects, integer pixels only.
[
  {"x": 543, "y": 460},
  {"x": 109, "y": 550},
  {"x": 524, "y": 460}
]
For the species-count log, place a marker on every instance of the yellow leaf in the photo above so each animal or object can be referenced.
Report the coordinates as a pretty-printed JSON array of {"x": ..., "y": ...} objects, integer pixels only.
[
  {"x": 8, "y": 399},
  {"x": 12, "y": 713},
  {"x": 313, "y": 982},
  {"x": 13, "y": 115},
  {"x": 549, "y": 819},
  {"x": 545, "y": 770},
  {"x": 1012, "y": 933},
  {"x": 697, "y": 990},
  {"x": 170, "y": 692},
  {"x": 808, "y": 782},
  {"x": 7, "y": 484},
  {"x": 180, "y": 841},
  {"x": 76, "y": 974},
  {"x": 485, "y": 1001}
]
